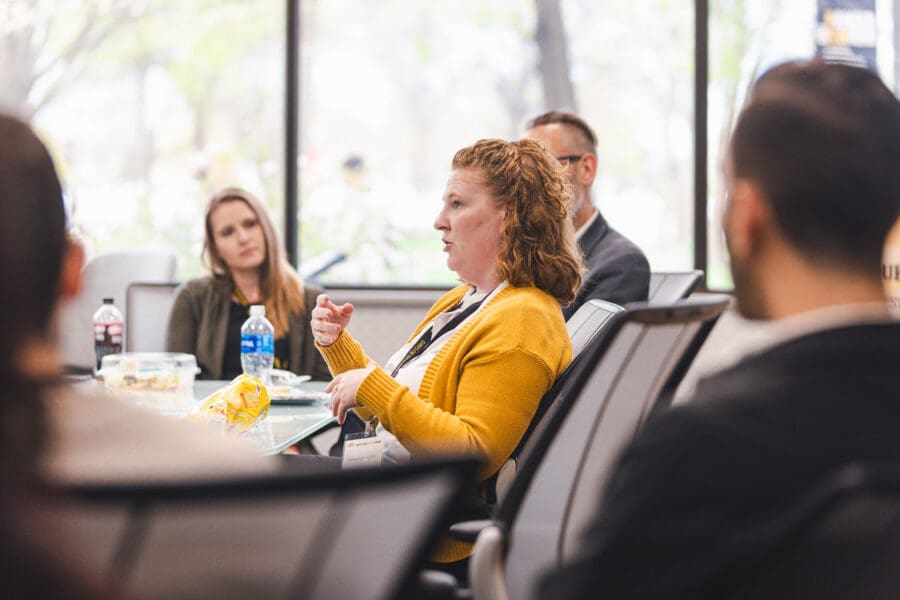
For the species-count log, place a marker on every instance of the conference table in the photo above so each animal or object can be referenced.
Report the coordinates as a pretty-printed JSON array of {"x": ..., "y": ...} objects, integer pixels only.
[{"x": 288, "y": 422}]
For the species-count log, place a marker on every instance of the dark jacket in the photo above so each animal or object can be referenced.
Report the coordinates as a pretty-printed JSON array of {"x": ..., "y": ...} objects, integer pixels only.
[
  {"x": 682, "y": 513},
  {"x": 198, "y": 325},
  {"x": 617, "y": 270}
]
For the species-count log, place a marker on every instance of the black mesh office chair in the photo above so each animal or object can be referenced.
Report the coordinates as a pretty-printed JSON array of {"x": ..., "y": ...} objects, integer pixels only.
[
  {"x": 669, "y": 286},
  {"x": 352, "y": 534},
  {"x": 625, "y": 375},
  {"x": 590, "y": 318},
  {"x": 593, "y": 319}
]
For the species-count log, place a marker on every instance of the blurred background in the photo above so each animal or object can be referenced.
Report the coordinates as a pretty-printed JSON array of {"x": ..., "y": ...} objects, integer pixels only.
[{"x": 149, "y": 106}]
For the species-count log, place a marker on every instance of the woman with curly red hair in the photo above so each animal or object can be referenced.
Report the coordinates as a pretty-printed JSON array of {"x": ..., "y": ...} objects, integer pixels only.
[{"x": 470, "y": 378}]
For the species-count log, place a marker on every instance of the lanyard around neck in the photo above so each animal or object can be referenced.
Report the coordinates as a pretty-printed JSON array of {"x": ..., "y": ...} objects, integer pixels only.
[
  {"x": 426, "y": 339},
  {"x": 241, "y": 298}
]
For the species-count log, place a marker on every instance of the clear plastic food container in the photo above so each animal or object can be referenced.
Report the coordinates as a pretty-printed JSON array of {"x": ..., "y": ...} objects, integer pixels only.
[{"x": 157, "y": 379}]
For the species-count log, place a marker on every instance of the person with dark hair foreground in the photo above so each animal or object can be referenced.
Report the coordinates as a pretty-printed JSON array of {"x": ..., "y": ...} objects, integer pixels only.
[
  {"x": 618, "y": 271},
  {"x": 49, "y": 431},
  {"x": 32, "y": 242},
  {"x": 470, "y": 378},
  {"x": 814, "y": 186}
]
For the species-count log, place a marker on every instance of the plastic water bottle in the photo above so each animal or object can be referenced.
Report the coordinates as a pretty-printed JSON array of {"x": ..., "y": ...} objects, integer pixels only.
[
  {"x": 108, "y": 329},
  {"x": 257, "y": 344}
]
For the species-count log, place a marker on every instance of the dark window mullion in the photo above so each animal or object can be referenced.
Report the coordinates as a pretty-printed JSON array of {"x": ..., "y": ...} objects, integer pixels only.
[
  {"x": 291, "y": 129},
  {"x": 701, "y": 84}
]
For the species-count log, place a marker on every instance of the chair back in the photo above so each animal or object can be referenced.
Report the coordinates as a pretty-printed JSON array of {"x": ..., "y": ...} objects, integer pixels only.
[
  {"x": 107, "y": 276},
  {"x": 353, "y": 534},
  {"x": 840, "y": 541},
  {"x": 147, "y": 315},
  {"x": 669, "y": 286},
  {"x": 587, "y": 321},
  {"x": 487, "y": 570},
  {"x": 591, "y": 319},
  {"x": 627, "y": 373}
]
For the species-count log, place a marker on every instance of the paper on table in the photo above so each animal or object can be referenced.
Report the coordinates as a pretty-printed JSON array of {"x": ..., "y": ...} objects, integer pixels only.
[
  {"x": 289, "y": 395},
  {"x": 281, "y": 377}
]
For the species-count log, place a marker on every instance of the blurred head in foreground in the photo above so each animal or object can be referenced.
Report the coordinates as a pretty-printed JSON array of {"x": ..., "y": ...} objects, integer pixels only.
[
  {"x": 33, "y": 235},
  {"x": 814, "y": 186},
  {"x": 37, "y": 267}
]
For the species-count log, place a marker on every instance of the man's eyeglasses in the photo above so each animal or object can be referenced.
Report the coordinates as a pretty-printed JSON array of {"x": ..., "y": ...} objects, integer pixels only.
[{"x": 565, "y": 160}]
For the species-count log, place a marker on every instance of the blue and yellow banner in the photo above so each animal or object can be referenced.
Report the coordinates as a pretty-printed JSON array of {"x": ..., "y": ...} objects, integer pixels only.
[{"x": 846, "y": 32}]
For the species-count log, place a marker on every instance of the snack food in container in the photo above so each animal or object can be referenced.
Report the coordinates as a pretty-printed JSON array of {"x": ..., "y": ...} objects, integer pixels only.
[
  {"x": 155, "y": 379},
  {"x": 239, "y": 405}
]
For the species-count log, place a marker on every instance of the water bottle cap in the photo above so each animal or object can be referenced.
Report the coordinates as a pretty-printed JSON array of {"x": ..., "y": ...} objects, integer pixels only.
[{"x": 258, "y": 310}]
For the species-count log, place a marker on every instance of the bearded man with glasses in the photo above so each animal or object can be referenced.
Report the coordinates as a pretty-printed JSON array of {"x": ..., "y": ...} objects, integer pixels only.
[{"x": 618, "y": 271}]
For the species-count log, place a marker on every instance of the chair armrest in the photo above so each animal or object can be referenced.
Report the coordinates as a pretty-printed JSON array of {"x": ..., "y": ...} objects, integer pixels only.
[
  {"x": 467, "y": 531},
  {"x": 436, "y": 585}
]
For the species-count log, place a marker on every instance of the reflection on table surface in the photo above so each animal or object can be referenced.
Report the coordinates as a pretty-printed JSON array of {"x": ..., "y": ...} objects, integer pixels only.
[{"x": 285, "y": 425}]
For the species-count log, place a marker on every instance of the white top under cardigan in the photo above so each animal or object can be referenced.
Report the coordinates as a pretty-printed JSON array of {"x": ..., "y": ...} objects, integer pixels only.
[{"x": 412, "y": 372}]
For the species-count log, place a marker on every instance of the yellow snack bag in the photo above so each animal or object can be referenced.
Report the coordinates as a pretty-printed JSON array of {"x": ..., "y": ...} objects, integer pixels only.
[{"x": 241, "y": 404}]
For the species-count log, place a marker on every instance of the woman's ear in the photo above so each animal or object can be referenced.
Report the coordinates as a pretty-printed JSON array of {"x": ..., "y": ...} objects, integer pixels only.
[{"x": 70, "y": 274}]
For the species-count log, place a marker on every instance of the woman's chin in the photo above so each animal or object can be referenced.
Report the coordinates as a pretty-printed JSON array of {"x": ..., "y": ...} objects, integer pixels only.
[{"x": 246, "y": 265}]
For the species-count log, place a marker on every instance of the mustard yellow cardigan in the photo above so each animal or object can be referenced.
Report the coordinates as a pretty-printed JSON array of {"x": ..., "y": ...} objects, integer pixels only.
[{"x": 480, "y": 391}]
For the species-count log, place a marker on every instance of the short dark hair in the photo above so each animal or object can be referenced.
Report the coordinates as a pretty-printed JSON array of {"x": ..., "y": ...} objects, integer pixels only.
[
  {"x": 566, "y": 118},
  {"x": 823, "y": 143}
]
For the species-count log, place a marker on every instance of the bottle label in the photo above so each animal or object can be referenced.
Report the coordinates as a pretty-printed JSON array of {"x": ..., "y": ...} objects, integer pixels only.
[
  {"x": 108, "y": 332},
  {"x": 257, "y": 344},
  {"x": 107, "y": 340}
]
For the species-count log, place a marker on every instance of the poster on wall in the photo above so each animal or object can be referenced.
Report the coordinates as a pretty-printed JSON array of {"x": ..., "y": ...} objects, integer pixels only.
[{"x": 846, "y": 32}]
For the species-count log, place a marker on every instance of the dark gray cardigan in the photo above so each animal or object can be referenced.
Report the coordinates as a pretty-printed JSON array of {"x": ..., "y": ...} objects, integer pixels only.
[{"x": 198, "y": 325}]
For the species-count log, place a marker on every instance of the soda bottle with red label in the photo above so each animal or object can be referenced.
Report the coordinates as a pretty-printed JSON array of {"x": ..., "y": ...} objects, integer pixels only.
[{"x": 109, "y": 327}]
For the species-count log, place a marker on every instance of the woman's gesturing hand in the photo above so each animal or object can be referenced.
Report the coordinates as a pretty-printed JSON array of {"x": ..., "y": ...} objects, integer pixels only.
[
  {"x": 329, "y": 320},
  {"x": 343, "y": 390}
]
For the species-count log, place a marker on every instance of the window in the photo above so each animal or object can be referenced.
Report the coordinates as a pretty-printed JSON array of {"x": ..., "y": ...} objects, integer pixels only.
[
  {"x": 392, "y": 89},
  {"x": 746, "y": 38},
  {"x": 148, "y": 107}
]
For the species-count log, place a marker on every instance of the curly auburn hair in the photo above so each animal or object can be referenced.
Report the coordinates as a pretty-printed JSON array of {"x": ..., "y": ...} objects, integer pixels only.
[
  {"x": 537, "y": 244},
  {"x": 281, "y": 286}
]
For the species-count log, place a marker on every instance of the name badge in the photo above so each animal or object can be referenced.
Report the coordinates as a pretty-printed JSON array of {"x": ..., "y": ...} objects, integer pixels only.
[{"x": 362, "y": 450}]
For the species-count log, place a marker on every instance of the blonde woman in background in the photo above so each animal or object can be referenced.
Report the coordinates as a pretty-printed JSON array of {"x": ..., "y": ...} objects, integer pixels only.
[{"x": 247, "y": 266}]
